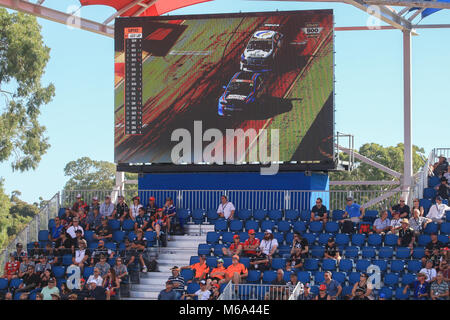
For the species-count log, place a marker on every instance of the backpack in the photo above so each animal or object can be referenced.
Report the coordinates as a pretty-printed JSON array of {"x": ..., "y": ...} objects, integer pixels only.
[
  {"x": 364, "y": 228},
  {"x": 348, "y": 227}
]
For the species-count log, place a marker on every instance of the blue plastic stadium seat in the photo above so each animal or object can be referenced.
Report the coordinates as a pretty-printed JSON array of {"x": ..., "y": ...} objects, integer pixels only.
[
  {"x": 382, "y": 264},
  {"x": 243, "y": 236},
  {"x": 329, "y": 264},
  {"x": 67, "y": 260},
  {"x": 267, "y": 225},
  {"x": 236, "y": 225},
  {"x": 370, "y": 216},
  {"x": 390, "y": 240},
  {"x": 399, "y": 295},
  {"x": 3, "y": 285},
  {"x": 387, "y": 292},
  {"x": 194, "y": 260},
  {"x": 15, "y": 283},
  {"x": 385, "y": 252},
  {"x": 397, "y": 266},
  {"x": 345, "y": 265},
  {"x": 319, "y": 277},
  {"x": 221, "y": 225},
  {"x": 368, "y": 252},
  {"x": 403, "y": 253},
  {"x": 351, "y": 252},
  {"x": 198, "y": 215},
  {"x": 192, "y": 287},
  {"x": 310, "y": 237},
  {"x": 358, "y": 239},
  {"x": 259, "y": 214},
  {"x": 111, "y": 246},
  {"x": 245, "y": 261},
  {"x": 244, "y": 214},
  {"x": 339, "y": 277},
  {"x": 259, "y": 235},
  {"x": 212, "y": 237},
  {"x": 269, "y": 276},
  {"x": 304, "y": 276},
  {"x": 204, "y": 249},
  {"x": 227, "y": 237},
  {"x": 284, "y": 250},
  {"x": 278, "y": 263},
  {"x": 431, "y": 227},
  {"x": 218, "y": 250},
  {"x": 212, "y": 215},
  {"x": 445, "y": 228},
  {"x": 361, "y": 265},
  {"x": 337, "y": 215},
  {"x": 299, "y": 226},
  {"x": 131, "y": 235},
  {"x": 284, "y": 226},
  {"x": 305, "y": 215},
  {"x": 342, "y": 239},
  {"x": 323, "y": 238},
  {"x": 150, "y": 236},
  {"x": 391, "y": 279},
  {"x": 433, "y": 181},
  {"x": 279, "y": 236},
  {"x": 51, "y": 224},
  {"x": 289, "y": 238},
  {"x": 429, "y": 193},
  {"x": 114, "y": 224},
  {"x": 332, "y": 227},
  {"x": 315, "y": 227},
  {"x": 183, "y": 214},
  {"x": 87, "y": 272},
  {"x": 315, "y": 290},
  {"x": 188, "y": 274},
  {"x": 447, "y": 215},
  {"x": 118, "y": 236},
  {"x": 346, "y": 290},
  {"x": 92, "y": 245},
  {"x": 424, "y": 239},
  {"x": 292, "y": 215},
  {"x": 317, "y": 251},
  {"x": 253, "y": 276},
  {"x": 61, "y": 212},
  {"x": 128, "y": 225},
  {"x": 227, "y": 261},
  {"x": 374, "y": 240},
  {"x": 408, "y": 278},
  {"x": 353, "y": 277},
  {"x": 311, "y": 264},
  {"x": 211, "y": 262},
  {"x": 275, "y": 215},
  {"x": 414, "y": 266},
  {"x": 443, "y": 238},
  {"x": 418, "y": 253},
  {"x": 43, "y": 235},
  {"x": 251, "y": 224}
]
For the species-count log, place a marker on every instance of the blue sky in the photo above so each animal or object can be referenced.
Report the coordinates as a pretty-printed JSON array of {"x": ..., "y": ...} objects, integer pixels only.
[{"x": 369, "y": 96}]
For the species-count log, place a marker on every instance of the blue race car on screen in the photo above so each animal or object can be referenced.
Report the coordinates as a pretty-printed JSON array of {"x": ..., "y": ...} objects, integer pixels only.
[{"x": 243, "y": 90}]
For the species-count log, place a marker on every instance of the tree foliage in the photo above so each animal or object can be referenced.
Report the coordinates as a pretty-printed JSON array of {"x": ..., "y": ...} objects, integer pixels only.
[{"x": 23, "y": 58}]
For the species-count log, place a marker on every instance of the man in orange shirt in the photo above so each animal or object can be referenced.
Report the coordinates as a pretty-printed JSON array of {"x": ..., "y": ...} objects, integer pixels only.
[
  {"x": 251, "y": 244},
  {"x": 217, "y": 275},
  {"x": 200, "y": 268},
  {"x": 236, "y": 272},
  {"x": 235, "y": 248}
]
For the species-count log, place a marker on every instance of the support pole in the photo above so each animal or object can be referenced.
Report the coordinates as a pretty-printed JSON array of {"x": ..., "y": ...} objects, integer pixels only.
[{"x": 407, "y": 128}]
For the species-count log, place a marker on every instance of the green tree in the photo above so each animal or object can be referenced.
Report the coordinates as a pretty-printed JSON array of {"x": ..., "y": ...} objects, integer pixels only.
[
  {"x": 5, "y": 220},
  {"x": 23, "y": 58}
]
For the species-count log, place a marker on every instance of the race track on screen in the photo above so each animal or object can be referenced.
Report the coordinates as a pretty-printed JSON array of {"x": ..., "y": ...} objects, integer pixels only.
[{"x": 185, "y": 85}]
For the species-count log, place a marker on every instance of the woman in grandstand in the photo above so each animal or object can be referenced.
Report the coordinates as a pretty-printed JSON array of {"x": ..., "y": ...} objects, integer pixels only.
[
  {"x": 416, "y": 205},
  {"x": 363, "y": 286},
  {"x": 134, "y": 208},
  {"x": 111, "y": 284},
  {"x": 65, "y": 292}
]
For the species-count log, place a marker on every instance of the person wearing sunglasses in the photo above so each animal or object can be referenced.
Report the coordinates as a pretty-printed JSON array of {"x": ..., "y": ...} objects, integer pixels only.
[{"x": 403, "y": 208}]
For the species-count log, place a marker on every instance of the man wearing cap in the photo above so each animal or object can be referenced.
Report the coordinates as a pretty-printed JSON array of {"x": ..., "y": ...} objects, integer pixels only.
[
  {"x": 19, "y": 253},
  {"x": 168, "y": 293},
  {"x": 353, "y": 211},
  {"x": 94, "y": 204},
  {"x": 202, "y": 294},
  {"x": 437, "y": 211},
  {"x": 201, "y": 269},
  {"x": 269, "y": 244},
  {"x": 406, "y": 236},
  {"x": 439, "y": 288},
  {"x": 259, "y": 261},
  {"x": 431, "y": 246},
  {"x": 177, "y": 281},
  {"x": 94, "y": 219},
  {"x": 79, "y": 203},
  {"x": 441, "y": 166},
  {"x": 217, "y": 275},
  {"x": 420, "y": 287},
  {"x": 151, "y": 206},
  {"x": 96, "y": 291},
  {"x": 50, "y": 289},
  {"x": 396, "y": 223},
  {"x": 121, "y": 209},
  {"x": 236, "y": 271},
  {"x": 226, "y": 208},
  {"x": 107, "y": 208},
  {"x": 250, "y": 244},
  {"x": 235, "y": 248},
  {"x": 322, "y": 293},
  {"x": 99, "y": 251},
  {"x": 306, "y": 295},
  {"x": 403, "y": 208},
  {"x": 81, "y": 256},
  {"x": 332, "y": 251},
  {"x": 215, "y": 292},
  {"x": 429, "y": 271},
  {"x": 74, "y": 227},
  {"x": 104, "y": 232}
]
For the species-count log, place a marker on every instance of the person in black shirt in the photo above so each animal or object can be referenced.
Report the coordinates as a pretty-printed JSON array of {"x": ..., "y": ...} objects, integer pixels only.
[
  {"x": 299, "y": 244},
  {"x": 121, "y": 209},
  {"x": 259, "y": 261},
  {"x": 295, "y": 262},
  {"x": 128, "y": 254},
  {"x": 64, "y": 245},
  {"x": 99, "y": 251},
  {"x": 104, "y": 232},
  {"x": 332, "y": 251},
  {"x": 406, "y": 235},
  {"x": 96, "y": 292},
  {"x": 403, "y": 208},
  {"x": 94, "y": 205},
  {"x": 140, "y": 244},
  {"x": 151, "y": 207},
  {"x": 30, "y": 280},
  {"x": 36, "y": 252},
  {"x": 319, "y": 212},
  {"x": 443, "y": 189},
  {"x": 430, "y": 247}
]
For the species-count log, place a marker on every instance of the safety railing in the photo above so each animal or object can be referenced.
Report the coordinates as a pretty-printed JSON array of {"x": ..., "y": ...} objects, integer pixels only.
[
  {"x": 31, "y": 231},
  {"x": 256, "y": 292},
  {"x": 297, "y": 291}
]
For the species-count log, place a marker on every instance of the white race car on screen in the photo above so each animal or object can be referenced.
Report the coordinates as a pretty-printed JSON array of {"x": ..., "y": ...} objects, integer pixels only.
[{"x": 261, "y": 51}]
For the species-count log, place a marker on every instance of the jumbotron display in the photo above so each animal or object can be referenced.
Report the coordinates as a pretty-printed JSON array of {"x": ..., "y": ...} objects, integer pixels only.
[{"x": 225, "y": 92}]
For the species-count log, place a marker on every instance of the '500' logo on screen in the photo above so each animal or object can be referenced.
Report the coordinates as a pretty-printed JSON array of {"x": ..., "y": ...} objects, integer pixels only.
[{"x": 312, "y": 30}]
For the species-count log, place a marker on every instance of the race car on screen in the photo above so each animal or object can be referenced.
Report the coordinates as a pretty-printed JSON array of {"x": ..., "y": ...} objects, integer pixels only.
[
  {"x": 261, "y": 51},
  {"x": 243, "y": 90}
]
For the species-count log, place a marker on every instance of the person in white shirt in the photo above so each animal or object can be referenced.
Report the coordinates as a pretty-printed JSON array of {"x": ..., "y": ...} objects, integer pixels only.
[
  {"x": 96, "y": 277},
  {"x": 437, "y": 211},
  {"x": 75, "y": 226},
  {"x": 396, "y": 224},
  {"x": 382, "y": 224},
  {"x": 226, "y": 209},
  {"x": 202, "y": 294},
  {"x": 268, "y": 245},
  {"x": 134, "y": 208},
  {"x": 429, "y": 271}
]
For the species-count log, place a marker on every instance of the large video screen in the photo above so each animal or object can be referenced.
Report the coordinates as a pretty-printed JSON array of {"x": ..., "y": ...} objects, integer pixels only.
[{"x": 225, "y": 91}]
